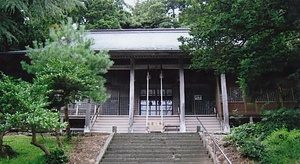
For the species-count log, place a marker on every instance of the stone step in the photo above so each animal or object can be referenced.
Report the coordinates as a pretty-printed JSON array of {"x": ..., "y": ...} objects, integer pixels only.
[
  {"x": 146, "y": 155},
  {"x": 157, "y": 144},
  {"x": 158, "y": 135},
  {"x": 142, "y": 160},
  {"x": 177, "y": 162},
  {"x": 160, "y": 148},
  {"x": 183, "y": 150},
  {"x": 156, "y": 139},
  {"x": 155, "y": 151},
  {"x": 149, "y": 145}
]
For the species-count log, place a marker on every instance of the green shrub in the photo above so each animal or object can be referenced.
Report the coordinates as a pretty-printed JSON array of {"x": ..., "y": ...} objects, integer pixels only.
[
  {"x": 282, "y": 146},
  {"x": 283, "y": 117},
  {"x": 260, "y": 142},
  {"x": 247, "y": 138},
  {"x": 57, "y": 157}
]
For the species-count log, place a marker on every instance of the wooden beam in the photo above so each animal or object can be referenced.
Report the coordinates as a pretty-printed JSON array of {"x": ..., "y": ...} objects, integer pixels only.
[
  {"x": 150, "y": 66},
  {"x": 131, "y": 96},
  {"x": 182, "y": 99},
  {"x": 225, "y": 104}
]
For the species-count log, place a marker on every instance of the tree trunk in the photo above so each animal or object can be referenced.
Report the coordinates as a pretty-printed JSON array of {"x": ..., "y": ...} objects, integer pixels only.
[
  {"x": 68, "y": 128},
  {"x": 280, "y": 98},
  {"x": 58, "y": 140},
  {"x": 39, "y": 145},
  {"x": 1, "y": 142}
]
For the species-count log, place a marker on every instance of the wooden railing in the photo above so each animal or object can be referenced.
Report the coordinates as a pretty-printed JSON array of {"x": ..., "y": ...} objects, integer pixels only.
[
  {"x": 215, "y": 147},
  {"x": 94, "y": 117}
]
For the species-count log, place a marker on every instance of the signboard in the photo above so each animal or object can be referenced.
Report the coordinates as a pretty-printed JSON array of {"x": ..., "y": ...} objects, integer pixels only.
[{"x": 197, "y": 97}]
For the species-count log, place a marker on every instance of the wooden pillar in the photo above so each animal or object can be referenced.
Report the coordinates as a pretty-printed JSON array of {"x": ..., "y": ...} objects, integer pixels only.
[
  {"x": 225, "y": 104},
  {"x": 218, "y": 100},
  {"x": 87, "y": 118},
  {"x": 182, "y": 98},
  {"x": 131, "y": 96},
  {"x": 161, "y": 98},
  {"x": 147, "y": 97}
]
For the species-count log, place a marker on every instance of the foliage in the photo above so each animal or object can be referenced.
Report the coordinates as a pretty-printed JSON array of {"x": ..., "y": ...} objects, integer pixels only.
[
  {"x": 28, "y": 154},
  {"x": 21, "y": 19},
  {"x": 103, "y": 14},
  {"x": 267, "y": 139},
  {"x": 68, "y": 67},
  {"x": 11, "y": 97},
  {"x": 282, "y": 146},
  {"x": 24, "y": 111},
  {"x": 68, "y": 81},
  {"x": 173, "y": 5},
  {"x": 116, "y": 14},
  {"x": 23, "y": 106},
  {"x": 236, "y": 117},
  {"x": 247, "y": 38},
  {"x": 57, "y": 157},
  {"x": 69, "y": 45},
  {"x": 155, "y": 14},
  {"x": 283, "y": 117},
  {"x": 247, "y": 138}
]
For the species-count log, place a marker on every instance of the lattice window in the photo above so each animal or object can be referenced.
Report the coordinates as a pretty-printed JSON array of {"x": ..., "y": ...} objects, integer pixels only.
[
  {"x": 235, "y": 94},
  {"x": 287, "y": 94},
  {"x": 267, "y": 96}
]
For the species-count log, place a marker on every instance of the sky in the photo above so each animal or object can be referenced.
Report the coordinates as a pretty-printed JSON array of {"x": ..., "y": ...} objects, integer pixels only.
[{"x": 130, "y": 2}]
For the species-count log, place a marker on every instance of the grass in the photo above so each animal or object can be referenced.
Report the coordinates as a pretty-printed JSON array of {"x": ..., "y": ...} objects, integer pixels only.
[{"x": 30, "y": 154}]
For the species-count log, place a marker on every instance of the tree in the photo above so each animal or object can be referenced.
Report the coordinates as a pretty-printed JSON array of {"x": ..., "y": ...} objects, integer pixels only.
[
  {"x": 23, "y": 106},
  {"x": 107, "y": 14},
  {"x": 70, "y": 69},
  {"x": 248, "y": 38},
  {"x": 9, "y": 104},
  {"x": 154, "y": 14},
  {"x": 103, "y": 14},
  {"x": 20, "y": 17},
  {"x": 173, "y": 5}
]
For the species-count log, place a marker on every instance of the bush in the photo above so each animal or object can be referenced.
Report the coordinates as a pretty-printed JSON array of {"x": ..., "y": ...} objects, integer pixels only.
[
  {"x": 247, "y": 138},
  {"x": 57, "y": 157},
  {"x": 263, "y": 141},
  {"x": 283, "y": 117},
  {"x": 282, "y": 146}
]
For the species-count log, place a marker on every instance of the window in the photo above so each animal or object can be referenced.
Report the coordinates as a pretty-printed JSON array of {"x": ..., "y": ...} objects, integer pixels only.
[
  {"x": 155, "y": 102},
  {"x": 235, "y": 94}
]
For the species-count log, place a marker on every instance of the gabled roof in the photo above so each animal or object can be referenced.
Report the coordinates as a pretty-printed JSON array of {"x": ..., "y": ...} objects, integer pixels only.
[{"x": 141, "y": 39}]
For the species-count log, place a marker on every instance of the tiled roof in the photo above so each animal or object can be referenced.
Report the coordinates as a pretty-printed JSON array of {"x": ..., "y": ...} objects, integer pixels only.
[{"x": 151, "y": 39}]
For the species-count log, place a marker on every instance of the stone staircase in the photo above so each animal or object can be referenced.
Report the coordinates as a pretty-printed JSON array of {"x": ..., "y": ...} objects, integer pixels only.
[{"x": 156, "y": 148}]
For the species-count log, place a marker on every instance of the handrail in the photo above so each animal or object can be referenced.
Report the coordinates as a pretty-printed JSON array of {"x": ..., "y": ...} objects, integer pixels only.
[
  {"x": 219, "y": 118},
  {"x": 95, "y": 116},
  {"x": 178, "y": 113},
  {"x": 214, "y": 142}
]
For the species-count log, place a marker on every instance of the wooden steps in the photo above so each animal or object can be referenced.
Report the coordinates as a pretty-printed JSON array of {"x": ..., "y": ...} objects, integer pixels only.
[{"x": 104, "y": 123}]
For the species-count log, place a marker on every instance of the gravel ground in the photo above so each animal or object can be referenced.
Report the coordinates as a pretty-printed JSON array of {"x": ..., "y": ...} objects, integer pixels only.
[
  {"x": 230, "y": 150},
  {"x": 87, "y": 149}
]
